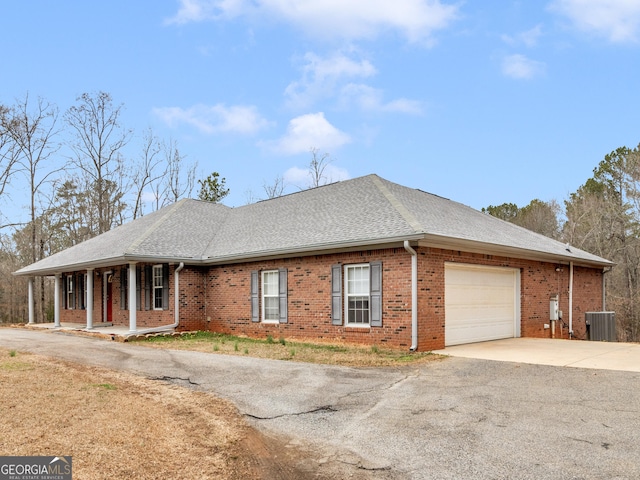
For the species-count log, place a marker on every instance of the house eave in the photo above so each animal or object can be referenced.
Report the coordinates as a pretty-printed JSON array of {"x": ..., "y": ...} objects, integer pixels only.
[
  {"x": 424, "y": 240},
  {"x": 318, "y": 249},
  {"x": 474, "y": 246},
  {"x": 102, "y": 263}
]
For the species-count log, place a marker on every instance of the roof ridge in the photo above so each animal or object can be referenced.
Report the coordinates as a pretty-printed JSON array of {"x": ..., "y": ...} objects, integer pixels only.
[
  {"x": 214, "y": 238},
  {"x": 172, "y": 209},
  {"x": 397, "y": 204}
]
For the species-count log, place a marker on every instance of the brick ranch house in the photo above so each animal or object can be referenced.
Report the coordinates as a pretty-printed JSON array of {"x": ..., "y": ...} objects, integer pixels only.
[{"x": 364, "y": 260}]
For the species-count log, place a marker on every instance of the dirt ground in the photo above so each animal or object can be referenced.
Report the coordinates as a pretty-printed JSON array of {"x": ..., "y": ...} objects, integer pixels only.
[{"x": 117, "y": 425}]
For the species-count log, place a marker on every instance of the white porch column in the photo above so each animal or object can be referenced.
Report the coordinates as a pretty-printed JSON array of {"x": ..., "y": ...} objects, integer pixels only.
[
  {"x": 56, "y": 301},
  {"x": 89, "y": 305},
  {"x": 133, "y": 308},
  {"x": 31, "y": 318}
]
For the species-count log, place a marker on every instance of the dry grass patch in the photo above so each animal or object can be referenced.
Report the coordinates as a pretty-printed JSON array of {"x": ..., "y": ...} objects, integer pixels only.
[
  {"x": 282, "y": 349},
  {"x": 117, "y": 425}
]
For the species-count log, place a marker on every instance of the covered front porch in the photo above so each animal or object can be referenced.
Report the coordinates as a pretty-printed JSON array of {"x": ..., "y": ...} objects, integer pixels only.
[
  {"x": 77, "y": 294},
  {"x": 105, "y": 331}
]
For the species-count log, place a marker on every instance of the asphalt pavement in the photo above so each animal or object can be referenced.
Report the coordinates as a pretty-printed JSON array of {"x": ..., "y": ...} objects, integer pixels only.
[{"x": 456, "y": 418}]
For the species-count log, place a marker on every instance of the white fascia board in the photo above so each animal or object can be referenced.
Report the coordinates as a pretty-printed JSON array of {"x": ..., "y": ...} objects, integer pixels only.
[
  {"x": 102, "y": 263},
  {"x": 472, "y": 246},
  {"x": 319, "y": 249}
]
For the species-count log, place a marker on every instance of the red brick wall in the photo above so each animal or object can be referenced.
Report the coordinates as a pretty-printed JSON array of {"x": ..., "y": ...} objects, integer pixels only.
[
  {"x": 218, "y": 298},
  {"x": 309, "y": 299},
  {"x": 538, "y": 282},
  {"x": 192, "y": 297}
]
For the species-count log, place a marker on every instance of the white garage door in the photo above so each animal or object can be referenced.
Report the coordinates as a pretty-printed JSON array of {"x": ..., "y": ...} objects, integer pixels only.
[{"x": 481, "y": 303}]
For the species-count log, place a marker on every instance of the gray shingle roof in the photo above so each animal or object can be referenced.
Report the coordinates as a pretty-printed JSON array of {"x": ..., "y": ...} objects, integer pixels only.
[{"x": 364, "y": 211}]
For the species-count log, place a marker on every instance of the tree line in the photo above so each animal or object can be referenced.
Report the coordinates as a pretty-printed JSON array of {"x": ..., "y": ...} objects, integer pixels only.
[
  {"x": 82, "y": 173},
  {"x": 602, "y": 217}
]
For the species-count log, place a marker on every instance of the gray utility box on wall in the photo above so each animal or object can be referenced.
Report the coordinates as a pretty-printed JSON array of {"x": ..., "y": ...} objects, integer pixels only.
[{"x": 601, "y": 326}]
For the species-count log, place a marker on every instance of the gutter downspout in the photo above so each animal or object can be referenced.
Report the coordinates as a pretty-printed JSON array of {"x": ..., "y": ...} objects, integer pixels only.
[
  {"x": 176, "y": 307},
  {"x": 414, "y": 296},
  {"x": 570, "y": 300}
]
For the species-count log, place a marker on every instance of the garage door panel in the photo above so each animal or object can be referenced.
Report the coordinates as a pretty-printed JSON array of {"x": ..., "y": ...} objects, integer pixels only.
[
  {"x": 472, "y": 315},
  {"x": 482, "y": 295},
  {"x": 481, "y": 303},
  {"x": 479, "y": 333}
]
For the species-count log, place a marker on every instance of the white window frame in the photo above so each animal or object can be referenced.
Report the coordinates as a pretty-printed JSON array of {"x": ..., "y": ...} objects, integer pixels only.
[
  {"x": 270, "y": 295},
  {"x": 157, "y": 272},
  {"x": 70, "y": 298},
  {"x": 348, "y": 295}
]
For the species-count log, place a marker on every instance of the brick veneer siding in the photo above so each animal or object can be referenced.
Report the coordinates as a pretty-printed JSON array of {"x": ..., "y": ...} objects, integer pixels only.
[
  {"x": 309, "y": 299},
  {"x": 538, "y": 282},
  {"x": 218, "y": 298}
]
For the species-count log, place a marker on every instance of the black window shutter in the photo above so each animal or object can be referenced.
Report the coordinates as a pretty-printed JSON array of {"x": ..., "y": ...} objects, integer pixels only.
[
  {"x": 138, "y": 287},
  {"x": 165, "y": 286},
  {"x": 148, "y": 291},
  {"x": 255, "y": 303},
  {"x": 65, "y": 301},
  {"x": 123, "y": 288},
  {"x": 282, "y": 287},
  {"x": 336, "y": 294},
  {"x": 81, "y": 288},
  {"x": 375, "y": 272}
]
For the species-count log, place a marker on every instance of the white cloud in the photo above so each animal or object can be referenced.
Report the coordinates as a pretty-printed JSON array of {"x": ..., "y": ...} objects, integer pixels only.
[
  {"x": 309, "y": 131},
  {"x": 215, "y": 119},
  {"x": 616, "y": 20},
  {"x": 417, "y": 20},
  {"x": 320, "y": 77},
  {"x": 528, "y": 38},
  {"x": 301, "y": 177},
  {"x": 371, "y": 99},
  {"x": 328, "y": 77},
  {"x": 296, "y": 176},
  {"x": 521, "y": 67}
]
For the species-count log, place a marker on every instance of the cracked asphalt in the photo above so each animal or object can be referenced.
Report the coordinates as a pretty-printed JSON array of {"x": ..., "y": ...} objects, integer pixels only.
[{"x": 452, "y": 419}]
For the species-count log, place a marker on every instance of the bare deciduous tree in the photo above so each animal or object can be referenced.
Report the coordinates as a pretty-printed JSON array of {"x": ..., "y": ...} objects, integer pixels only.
[
  {"x": 32, "y": 130},
  {"x": 8, "y": 153},
  {"x": 603, "y": 217},
  {"x": 97, "y": 145},
  {"x": 148, "y": 170},
  {"x": 276, "y": 188},
  {"x": 317, "y": 167},
  {"x": 180, "y": 177}
]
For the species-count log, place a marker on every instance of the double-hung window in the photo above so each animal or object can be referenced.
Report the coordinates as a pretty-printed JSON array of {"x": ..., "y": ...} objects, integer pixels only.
[
  {"x": 356, "y": 294},
  {"x": 270, "y": 296},
  {"x": 155, "y": 284},
  {"x": 70, "y": 293},
  {"x": 158, "y": 286},
  {"x": 84, "y": 290}
]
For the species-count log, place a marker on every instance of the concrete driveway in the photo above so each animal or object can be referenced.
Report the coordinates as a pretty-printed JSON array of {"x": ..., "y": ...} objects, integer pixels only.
[
  {"x": 455, "y": 418},
  {"x": 560, "y": 353}
]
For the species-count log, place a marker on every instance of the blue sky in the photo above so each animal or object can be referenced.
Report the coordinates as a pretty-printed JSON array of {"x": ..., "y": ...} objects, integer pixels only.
[{"x": 480, "y": 101}]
